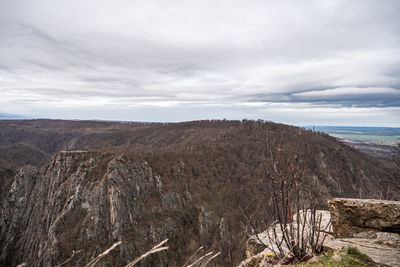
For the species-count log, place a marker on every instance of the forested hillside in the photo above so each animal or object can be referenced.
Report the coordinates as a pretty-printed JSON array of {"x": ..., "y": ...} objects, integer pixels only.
[{"x": 213, "y": 177}]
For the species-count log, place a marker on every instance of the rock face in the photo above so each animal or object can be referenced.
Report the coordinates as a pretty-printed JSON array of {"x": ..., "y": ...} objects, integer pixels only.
[
  {"x": 87, "y": 201},
  {"x": 351, "y": 216}
]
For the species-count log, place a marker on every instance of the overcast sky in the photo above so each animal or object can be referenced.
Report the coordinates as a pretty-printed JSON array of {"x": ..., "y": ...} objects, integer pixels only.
[{"x": 297, "y": 62}]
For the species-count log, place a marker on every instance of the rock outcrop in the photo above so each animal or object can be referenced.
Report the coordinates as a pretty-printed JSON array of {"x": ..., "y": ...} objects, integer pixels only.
[
  {"x": 86, "y": 201},
  {"x": 351, "y": 216},
  {"x": 358, "y": 223}
]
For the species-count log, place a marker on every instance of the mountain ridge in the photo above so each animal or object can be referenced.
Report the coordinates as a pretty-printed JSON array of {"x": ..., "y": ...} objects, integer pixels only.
[{"x": 212, "y": 174}]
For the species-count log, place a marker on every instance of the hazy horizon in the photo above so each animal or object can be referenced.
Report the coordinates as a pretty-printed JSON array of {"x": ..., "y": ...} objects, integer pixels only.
[
  {"x": 4, "y": 116},
  {"x": 325, "y": 63}
]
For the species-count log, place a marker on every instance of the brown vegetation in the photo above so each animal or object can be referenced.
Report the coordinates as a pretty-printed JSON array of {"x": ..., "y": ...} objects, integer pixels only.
[{"x": 218, "y": 166}]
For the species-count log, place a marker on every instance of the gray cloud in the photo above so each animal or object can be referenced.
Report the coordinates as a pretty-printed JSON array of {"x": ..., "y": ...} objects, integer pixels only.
[{"x": 252, "y": 59}]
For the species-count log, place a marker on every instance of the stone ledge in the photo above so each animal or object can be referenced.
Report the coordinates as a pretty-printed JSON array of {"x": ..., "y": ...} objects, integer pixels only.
[{"x": 350, "y": 216}]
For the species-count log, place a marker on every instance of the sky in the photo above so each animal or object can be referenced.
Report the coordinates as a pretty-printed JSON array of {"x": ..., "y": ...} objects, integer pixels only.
[{"x": 300, "y": 62}]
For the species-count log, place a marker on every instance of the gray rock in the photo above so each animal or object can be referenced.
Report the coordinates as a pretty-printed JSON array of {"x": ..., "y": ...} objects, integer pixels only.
[
  {"x": 379, "y": 249},
  {"x": 87, "y": 201},
  {"x": 351, "y": 216},
  {"x": 383, "y": 248}
]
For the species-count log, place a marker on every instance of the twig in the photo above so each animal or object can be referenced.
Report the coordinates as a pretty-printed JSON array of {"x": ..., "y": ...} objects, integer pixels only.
[
  {"x": 209, "y": 259},
  {"x": 102, "y": 255},
  {"x": 200, "y": 259},
  {"x": 191, "y": 257},
  {"x": 74, "y": 253},
  {"x": 156, "y": 249}
]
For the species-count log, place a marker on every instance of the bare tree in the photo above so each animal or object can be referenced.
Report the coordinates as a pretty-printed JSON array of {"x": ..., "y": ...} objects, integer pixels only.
[
  {"x": 396, "y": 156},
  {"x": 396, "y": 161}
]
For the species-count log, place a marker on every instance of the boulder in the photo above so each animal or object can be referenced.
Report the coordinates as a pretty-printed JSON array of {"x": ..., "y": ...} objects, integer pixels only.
[{"x": 352, "y": 216}]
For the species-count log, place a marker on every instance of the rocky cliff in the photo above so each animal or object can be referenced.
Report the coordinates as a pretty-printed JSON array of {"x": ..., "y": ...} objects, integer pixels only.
[
  {"x": 194, "y": 183},
  {"x": 84, "y": 201}
]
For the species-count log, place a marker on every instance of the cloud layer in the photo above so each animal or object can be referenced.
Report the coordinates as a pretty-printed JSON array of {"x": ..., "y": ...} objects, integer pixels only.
[{"x": 299, "y": 62}]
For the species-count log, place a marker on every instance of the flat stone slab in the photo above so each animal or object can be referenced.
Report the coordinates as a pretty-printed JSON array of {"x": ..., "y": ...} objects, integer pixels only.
[
  {"x": 350, "y": 216},
  {"x": 382, "y": 248}
]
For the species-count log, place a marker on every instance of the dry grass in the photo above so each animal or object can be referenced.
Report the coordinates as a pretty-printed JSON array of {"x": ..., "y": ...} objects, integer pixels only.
[
  {"x": 155, "y": 249},
  {"x": 96, "y": 260},
  {"x": 201, "y": 261},
  {"x": 74, "y": 253}
]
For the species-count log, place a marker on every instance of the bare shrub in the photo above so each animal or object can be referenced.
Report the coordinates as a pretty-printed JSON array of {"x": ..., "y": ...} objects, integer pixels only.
[
  {"x": 297, "y": 230},
  {"x": 396, "y": 156},
  {"x": 297, "y": 233}
]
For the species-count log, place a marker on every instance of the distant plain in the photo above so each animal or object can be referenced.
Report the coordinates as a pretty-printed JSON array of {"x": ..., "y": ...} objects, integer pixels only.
[{"x": 379, "y": 142}]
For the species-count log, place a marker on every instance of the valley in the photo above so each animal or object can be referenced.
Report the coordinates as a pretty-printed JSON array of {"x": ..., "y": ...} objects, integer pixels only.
[{"x": 82, "y": 185}]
